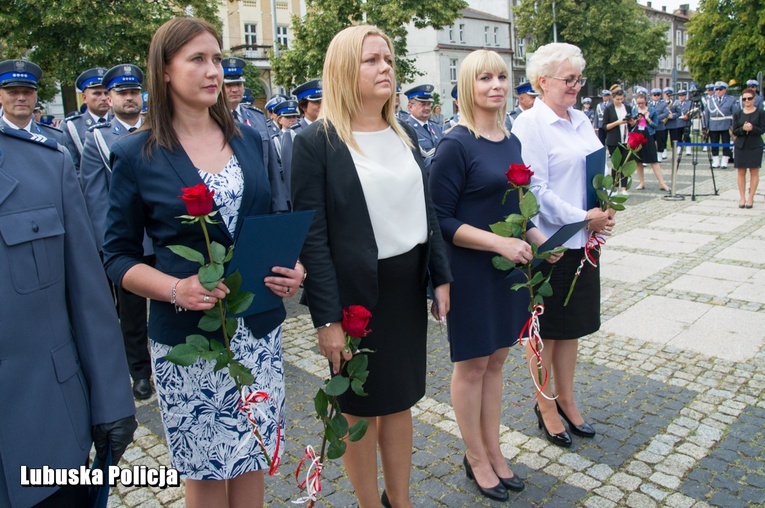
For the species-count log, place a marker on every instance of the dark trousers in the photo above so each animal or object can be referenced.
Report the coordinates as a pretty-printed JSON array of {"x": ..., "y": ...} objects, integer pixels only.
[
  {"x": 602, "y": 135},
  {"x": 661, "y": 141},
  {"x": 133, "y": 322},
  {"x": 676, "y": 134},
  {"x": 720, "y": 137},
  {"x": 70, "y": 496}
]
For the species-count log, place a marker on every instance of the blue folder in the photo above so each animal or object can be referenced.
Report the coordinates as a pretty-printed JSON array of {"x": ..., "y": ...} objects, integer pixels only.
[
  {"x": 596, "y": 165},
  {"x": 266, "y": 241}
]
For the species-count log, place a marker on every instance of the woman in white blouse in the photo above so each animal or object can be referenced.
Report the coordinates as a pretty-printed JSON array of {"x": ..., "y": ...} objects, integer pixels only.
[
  {"x": 374, "y": 241},
  {"x": 556, "y": 139}
]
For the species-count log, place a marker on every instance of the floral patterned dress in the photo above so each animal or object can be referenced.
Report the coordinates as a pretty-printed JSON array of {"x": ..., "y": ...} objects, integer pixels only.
[{"x": 209, "y": 437}]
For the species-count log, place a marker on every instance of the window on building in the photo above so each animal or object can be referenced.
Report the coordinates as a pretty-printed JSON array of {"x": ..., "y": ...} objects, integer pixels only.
[
  {"x": 496, "y": 36},
  {"x": 451, "y": 33},
  {"x": 486, "y": 36},
  {"x": 462, "y": 33},
  {"x": 453, "y": 70},
  {"x": 679, "y": 62},
  {"x": 668, "y": 36},
  {"x": 685, "y": 38},
  {"x": 679, "y": 37},
  {"x": 250, "y": 34},
  {"x": 521, "y": 49},
  {"x": 281, "y": 36}
]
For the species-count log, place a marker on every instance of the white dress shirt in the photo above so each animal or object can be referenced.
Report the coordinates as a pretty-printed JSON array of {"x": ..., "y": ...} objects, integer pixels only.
[{"x": 556, "y": 151}]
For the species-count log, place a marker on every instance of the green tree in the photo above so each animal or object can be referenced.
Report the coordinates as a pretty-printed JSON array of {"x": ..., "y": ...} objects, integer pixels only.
[
  {"x": 726, "y": 39},
  {"x": 305, "y": 59},
  {"x": 66, "y": 37},
  {"x": 617, "y": 39}
]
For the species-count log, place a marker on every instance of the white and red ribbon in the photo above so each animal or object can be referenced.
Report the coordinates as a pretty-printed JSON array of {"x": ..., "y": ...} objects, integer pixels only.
[{"x": 312, "y": 482}]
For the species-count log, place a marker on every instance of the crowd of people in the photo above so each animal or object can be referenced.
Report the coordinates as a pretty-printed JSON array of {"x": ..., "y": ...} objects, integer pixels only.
[{"x": 403, "y": 202}]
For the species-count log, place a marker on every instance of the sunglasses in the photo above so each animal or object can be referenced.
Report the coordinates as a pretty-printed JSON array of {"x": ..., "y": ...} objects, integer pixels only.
[{"x": 747, "y": 98}]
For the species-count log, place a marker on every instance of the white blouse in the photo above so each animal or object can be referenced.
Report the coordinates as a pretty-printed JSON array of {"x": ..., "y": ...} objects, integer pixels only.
[
  {"x": 392, "y": 183},
  {"x": 556, "y": 151}
]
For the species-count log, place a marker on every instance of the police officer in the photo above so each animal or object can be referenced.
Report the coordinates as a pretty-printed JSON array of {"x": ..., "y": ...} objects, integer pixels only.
[
  {"x": 247, "y": 98},
  {"x": 308, "y": 96},
  {"x": 599, "y": 110},
  {"x": 287, "y": 114},
  {"x": 673, "y": 106},
  {"x": 64, "y": 374},
  {"x": 587, "y": 110},
  {"x": 454, "y": 120},
  {"x": 719, "y": 118},
  {"x": 526, "y": 97},
  {"x": 662, "y": 113},
  {"x": 18, "y": 93},
  {"x": 403, "y": 115},
  {"x": 273, "y": 126},
  {"x": 123, "y": 84},
  {"x": 752, "y": 84},
  {"x": 684, "y": 119},
  {"x": 233, "y": 86},
  {"x": 37, "y": 114},
  {"x": 710, "y": 90},
  {"x": 428, "y": 134},
  {"x": 96, "y": 104}
]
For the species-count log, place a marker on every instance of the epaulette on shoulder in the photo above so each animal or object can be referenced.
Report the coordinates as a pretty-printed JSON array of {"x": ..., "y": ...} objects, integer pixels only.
[
  {"x": 50, "y": 127},
  {"x": 23, "y": 135},
  {"x": 102, "y": 125},
  {"x": 73, "y": 117},
  {"x": 256, "y": 109}
]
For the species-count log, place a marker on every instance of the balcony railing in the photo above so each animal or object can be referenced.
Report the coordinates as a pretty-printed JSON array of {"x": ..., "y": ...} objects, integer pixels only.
[{"x": 252, "y": 52}]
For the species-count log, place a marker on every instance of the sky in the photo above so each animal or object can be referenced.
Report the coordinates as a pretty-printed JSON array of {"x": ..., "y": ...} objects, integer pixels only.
[{"x": 671, "y": 4}]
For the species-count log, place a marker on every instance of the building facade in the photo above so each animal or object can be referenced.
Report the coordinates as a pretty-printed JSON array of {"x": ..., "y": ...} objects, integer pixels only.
[{"x": 671, "y": 70}]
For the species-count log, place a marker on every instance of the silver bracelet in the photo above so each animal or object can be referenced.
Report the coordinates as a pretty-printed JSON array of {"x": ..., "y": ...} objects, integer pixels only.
[{"x": 173, "y": 294}]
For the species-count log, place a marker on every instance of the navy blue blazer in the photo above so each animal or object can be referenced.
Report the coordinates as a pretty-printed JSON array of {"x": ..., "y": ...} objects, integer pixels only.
[
  {"x": 62, "y": 360},
  {"x": 144, "y": 195}
]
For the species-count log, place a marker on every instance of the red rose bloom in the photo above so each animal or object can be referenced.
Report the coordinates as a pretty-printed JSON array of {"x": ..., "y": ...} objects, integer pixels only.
[
  {"x": 635, "y": 140},
  {"x": 199, "y": 201},
  {"x": 355, "y": 320},
  {"x": 519, "y": 175}
]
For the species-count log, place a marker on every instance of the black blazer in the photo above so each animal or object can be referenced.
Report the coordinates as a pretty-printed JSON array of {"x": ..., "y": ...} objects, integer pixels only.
[
  {"x": 340, "y": 253},
  {"x": 144, "y": 194},
  {"x": 613, "y": 136},
  {"x": 748, "y": 139}
]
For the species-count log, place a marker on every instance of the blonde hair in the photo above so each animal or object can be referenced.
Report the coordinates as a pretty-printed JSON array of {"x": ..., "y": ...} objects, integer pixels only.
[
  {"x": 547, "y": 59},
  {"x": 341, "y": 96},
  {"x": 474, "y": 64}
]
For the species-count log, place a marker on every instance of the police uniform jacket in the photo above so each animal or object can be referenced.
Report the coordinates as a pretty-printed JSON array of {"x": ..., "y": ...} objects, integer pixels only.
[
  {"x": 76, "y": 128},
  {"x": 256, "y": 119},
  {"x": 673, "y": 107},
  {"x": 144, "y": 196},
  {"x": 96, "y": 174},
  {"x": 428, "y": 136},
  {"x": 719, "y": 113},
  {"x": 685, "y": 109},
  {"x": 662, "y": 112},
  {"x": 63, "y": 367},
  {"x": 592, "y": 116},
  {"x": 600, "y": 109},
  {"x": 340, "y": 251}
]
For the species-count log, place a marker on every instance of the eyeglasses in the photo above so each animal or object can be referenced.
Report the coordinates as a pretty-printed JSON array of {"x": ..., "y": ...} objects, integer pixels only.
[
  {"x": 747, "y": 98},
  {"x": 571, "y": 82}
]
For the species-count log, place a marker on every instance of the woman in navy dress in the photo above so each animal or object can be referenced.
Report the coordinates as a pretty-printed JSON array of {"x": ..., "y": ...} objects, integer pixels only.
[{"x": 467, "y": 181}]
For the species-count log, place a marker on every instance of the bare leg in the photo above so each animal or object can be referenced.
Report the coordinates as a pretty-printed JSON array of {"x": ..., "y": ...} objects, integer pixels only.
[
  {"x": 641, "y": 177},
  {"x": 467, "y": 399},
  {"x": 659, "y": 176},
  {"x": 741, "y": 180},
  {"x": 564, "y": 365},
  {"x": 360, "y": 461},
  {"x": 754, "y": 181},
  {"x": 491, "y": 408},
  {"x": 394, "y": 435},
  {"x": 547, "y": 406},
  {"x": 245, "y": 491}
]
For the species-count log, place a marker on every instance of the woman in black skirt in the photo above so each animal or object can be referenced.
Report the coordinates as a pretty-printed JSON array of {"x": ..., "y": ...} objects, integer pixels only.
[
  {"x": 646, "y": 125},
  {"x": 373, "y": 242},
  {"x": 556, "y": 140},
  {"x": 748, "y": 127}
]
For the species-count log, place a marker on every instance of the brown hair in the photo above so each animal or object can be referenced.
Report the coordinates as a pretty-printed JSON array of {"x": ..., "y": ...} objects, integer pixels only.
[{"x": 167, "y": 41}]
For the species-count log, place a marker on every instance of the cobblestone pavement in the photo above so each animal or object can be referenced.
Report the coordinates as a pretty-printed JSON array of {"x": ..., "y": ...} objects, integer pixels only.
[{"x": 672, "y": 382}]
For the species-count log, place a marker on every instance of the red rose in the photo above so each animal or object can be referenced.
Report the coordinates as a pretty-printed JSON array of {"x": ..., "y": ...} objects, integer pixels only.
[
  {"x": 519, "y": 175},
  {"x": 199, "y": 201},
  {"x": 355, "y": 320},
  {"x": 635, "y": 140}
]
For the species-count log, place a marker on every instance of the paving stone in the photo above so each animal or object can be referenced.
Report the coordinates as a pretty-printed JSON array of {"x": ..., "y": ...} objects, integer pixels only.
[
  {"x": 678, "y": 500},
  {"x": 610, "y": 492},
  {"x": 625, "y": 481},
  {"x": 598, "y": 502},
  {"x": 638, "y": 500}
]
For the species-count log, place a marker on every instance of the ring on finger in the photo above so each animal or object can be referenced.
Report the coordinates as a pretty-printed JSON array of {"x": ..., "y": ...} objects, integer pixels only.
[
  {"x": 206, "y": 298},
  {"x": 287, "y": 290}
]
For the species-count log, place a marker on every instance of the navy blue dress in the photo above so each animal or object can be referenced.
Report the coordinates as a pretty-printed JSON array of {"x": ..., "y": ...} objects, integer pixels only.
[{"x": 467, "y": 182}]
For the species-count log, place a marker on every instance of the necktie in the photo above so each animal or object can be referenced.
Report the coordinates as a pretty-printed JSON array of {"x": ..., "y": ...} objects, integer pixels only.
[
  {"x": 132, "y": 129},
  {"x": 101, "y": 120},
  {"x": 236, "y": 116}
]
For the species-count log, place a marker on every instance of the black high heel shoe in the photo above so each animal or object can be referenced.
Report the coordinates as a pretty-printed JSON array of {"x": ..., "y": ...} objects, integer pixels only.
[
  {"x": 561, "y": 439},
  {"x": 513, "y": 483},
  {"x": 583, "y": 430},
  {"x": 384, "y": 500},
  {"x": 497, "y": 492}
]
